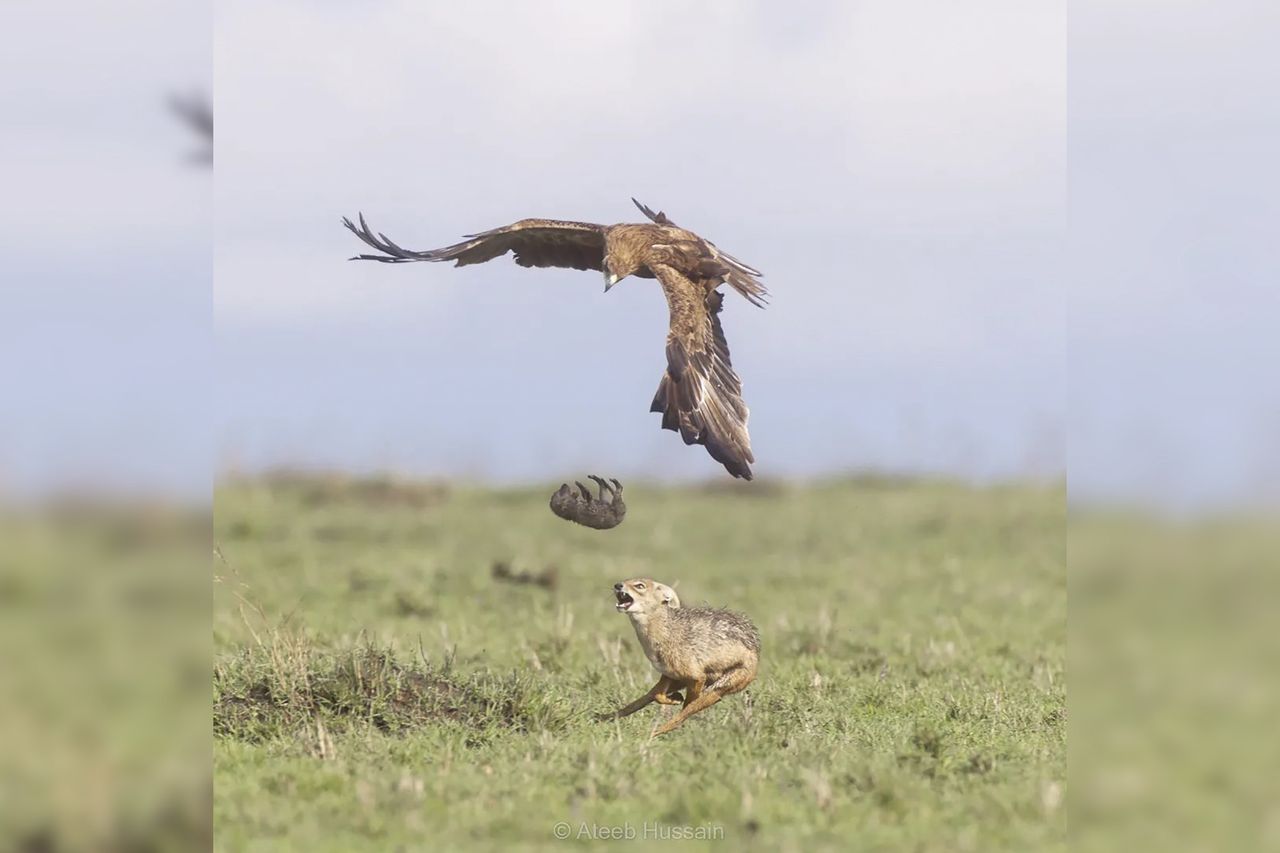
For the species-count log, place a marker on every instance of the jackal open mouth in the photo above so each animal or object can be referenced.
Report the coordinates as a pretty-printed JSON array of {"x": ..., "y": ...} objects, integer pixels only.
[{"x": 624, "y": 600}]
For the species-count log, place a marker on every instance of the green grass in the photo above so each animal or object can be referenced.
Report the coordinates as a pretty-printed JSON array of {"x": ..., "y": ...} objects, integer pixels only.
[{"x": 376, "y": 687}]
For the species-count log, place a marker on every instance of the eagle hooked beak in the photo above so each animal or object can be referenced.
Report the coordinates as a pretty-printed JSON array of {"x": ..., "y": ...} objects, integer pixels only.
[{"x": 610, "y": 279}]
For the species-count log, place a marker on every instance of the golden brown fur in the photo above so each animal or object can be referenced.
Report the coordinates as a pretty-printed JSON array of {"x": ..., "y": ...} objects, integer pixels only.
[
  {"x": 706, "y": 653},
  {"x": 700, "y": 395}
]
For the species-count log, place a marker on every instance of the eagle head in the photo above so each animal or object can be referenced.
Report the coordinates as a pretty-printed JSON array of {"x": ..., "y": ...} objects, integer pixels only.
[
  {"x": 617, "y": 267},
  {"x": 623, "y": 255},
  {"x": 612, "y": 273}
]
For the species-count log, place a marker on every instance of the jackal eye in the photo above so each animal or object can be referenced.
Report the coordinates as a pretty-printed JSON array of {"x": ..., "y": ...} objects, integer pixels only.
[{"x": 638, "y": 585}]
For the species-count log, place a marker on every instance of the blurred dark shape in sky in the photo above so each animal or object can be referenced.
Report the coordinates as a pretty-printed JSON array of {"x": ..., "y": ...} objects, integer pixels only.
[
  {"x": 105, "y": 372},
  {"x": 914, "y": 158},
  {"x": 105, "y": 300},
  {"x": 196, "y": 112}
]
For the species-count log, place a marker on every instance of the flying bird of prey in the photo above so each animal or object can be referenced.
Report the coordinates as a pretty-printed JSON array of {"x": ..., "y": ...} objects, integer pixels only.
[{"x": 700, "y": 395}]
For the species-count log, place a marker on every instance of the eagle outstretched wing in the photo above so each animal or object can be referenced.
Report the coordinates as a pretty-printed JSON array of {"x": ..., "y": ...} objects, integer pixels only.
[
  {"x": 700, "y": 396},
  {"x": 740, "y": 276},
  {"x": 534, "y": 242}
]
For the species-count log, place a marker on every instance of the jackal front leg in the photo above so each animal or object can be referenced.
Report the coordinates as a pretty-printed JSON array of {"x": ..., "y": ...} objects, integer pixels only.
[{"x": 660, "y": 688}]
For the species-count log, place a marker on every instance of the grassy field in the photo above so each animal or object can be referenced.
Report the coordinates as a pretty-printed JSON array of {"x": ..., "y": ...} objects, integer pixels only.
[{"x": 377, "y": 687}]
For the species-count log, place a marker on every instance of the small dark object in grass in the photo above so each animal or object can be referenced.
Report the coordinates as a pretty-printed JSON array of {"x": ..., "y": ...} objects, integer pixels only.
[
  {"x": 594, "y": 512},
  {"x": 547, "y": 579}
]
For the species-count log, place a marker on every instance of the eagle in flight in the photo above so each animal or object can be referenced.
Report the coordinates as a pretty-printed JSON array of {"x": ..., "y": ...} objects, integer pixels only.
[{"x": 700, "y": 395}]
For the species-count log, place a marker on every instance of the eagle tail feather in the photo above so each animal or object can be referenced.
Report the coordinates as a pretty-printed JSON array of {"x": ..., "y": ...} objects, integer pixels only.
[{"x": 674, "y": 400}]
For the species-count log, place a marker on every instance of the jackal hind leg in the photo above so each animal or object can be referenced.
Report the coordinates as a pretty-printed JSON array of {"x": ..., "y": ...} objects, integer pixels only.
[{"x": 728, "y": 683}]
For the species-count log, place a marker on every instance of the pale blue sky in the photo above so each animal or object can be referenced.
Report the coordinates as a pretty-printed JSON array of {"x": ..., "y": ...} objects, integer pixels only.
[
  {"x": 904, "y": 173},
  {"x": 105, "y": 335},
  {"x": 902, "y": 190},
  {"x": 1175, "y": 199}
]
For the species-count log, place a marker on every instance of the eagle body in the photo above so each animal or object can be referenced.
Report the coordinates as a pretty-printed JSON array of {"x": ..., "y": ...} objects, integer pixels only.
[{"x": 700, "y": 395}]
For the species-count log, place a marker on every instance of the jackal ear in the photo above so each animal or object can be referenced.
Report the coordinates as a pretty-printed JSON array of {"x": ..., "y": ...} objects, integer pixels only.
[{"x": 667, "y": 595}]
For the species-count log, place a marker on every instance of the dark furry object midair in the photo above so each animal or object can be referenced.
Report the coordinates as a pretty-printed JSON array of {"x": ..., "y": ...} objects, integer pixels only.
[{"x": 594, "y": 512}]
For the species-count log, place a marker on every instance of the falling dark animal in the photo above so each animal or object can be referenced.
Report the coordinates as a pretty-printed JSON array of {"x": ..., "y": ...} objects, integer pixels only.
[
  {"x": 700, "y": 395},
  {"x": 593, "y": 512}
]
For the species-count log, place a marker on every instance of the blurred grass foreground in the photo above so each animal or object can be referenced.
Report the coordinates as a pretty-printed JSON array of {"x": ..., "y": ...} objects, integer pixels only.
[
  {"x": 103, "y": 715},
  {"x": 406, "y": 663}
]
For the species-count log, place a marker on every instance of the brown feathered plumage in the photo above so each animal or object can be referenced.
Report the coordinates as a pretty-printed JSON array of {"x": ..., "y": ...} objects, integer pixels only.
[{"x": 700, "y": 395}]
